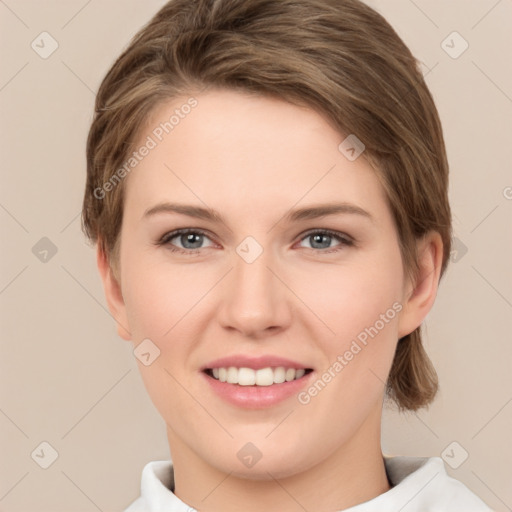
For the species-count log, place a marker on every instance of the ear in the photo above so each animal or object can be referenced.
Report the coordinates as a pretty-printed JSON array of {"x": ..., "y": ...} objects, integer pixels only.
[
  {"x": 420, "y": 296},
  {"x": 113, "y": 294}
]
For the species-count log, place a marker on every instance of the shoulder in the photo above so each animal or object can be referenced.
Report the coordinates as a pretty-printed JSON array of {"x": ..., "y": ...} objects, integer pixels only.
[
  {"x": 420, "y": 484},
  {"x": 423, "y": 484},
  {"x": 157, "y": 484}
]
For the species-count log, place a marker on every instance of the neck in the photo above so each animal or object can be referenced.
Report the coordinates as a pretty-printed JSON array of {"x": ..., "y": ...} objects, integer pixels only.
[{"x": 355, "y": 473}]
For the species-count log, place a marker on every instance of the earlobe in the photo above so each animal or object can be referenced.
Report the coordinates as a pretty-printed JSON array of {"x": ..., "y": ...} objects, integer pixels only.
[
  {"x": 113, "y": 294},
  {"x": 421, "y": 298}
]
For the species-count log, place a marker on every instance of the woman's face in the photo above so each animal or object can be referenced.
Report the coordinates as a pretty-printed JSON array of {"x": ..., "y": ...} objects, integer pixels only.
[{"x": 274, "y": 284}]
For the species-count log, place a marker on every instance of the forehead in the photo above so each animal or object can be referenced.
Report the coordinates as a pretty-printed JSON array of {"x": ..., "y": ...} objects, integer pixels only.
[{"x": 232, "y": 150}]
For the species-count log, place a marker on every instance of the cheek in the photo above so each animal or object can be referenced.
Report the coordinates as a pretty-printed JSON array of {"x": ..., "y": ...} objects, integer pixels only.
[
  {"x": 160, "y": 299},
  {"x": 360, "y": 304},
  {"x": 349, "y": 299},
  {"x": 363, "y": 313},
  {"x": 161, "y": 305}
]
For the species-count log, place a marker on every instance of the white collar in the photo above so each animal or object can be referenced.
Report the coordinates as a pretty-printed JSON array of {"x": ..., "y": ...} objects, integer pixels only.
[{"x": 420, "y": 484}]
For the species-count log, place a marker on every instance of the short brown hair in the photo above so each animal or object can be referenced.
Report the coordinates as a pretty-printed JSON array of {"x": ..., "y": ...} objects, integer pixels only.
[{"x": 339, "y": 57}]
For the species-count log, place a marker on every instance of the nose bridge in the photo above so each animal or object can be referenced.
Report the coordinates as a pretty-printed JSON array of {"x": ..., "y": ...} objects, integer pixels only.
[{"x": 255, "y": 299}]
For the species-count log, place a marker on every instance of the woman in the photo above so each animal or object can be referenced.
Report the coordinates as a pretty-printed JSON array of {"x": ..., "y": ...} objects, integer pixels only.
[{"x": 267, "y": 186}]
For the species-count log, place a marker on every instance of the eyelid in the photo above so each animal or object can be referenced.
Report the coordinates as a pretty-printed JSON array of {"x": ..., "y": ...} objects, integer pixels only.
[
  {"x": 169, "y": 235},
  {"x": 344, "y": 237}
]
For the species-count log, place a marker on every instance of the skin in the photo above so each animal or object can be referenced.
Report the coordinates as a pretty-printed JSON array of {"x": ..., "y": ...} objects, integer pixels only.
[{"x": 253, "y": 159}]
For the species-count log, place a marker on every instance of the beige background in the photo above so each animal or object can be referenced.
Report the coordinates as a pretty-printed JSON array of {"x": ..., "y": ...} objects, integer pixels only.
[{"x": 67, "y": 379}]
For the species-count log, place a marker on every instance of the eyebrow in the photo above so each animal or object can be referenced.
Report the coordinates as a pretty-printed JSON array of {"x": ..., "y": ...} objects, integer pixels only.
[{"x": 306, "y": 213}]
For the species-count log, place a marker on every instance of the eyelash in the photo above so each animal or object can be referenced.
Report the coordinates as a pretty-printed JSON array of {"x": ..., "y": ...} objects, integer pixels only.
[{"x": 345, "y": 240}]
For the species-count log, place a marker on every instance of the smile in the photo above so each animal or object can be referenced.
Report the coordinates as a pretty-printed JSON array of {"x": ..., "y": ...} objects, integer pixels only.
[{"x": 262, "y": 377}]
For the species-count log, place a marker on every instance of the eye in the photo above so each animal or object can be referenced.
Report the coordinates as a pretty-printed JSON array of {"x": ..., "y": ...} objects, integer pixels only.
[
  {"x": 191, "y": 240},
  {"x": 322, "y": 238}
]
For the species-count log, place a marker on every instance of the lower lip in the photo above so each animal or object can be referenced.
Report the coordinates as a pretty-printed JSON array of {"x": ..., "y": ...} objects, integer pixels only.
[{"x": 257, "y": 397}]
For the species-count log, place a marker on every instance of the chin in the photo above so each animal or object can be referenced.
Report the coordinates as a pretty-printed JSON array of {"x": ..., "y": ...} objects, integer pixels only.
[{"x": 254, "y": 464}]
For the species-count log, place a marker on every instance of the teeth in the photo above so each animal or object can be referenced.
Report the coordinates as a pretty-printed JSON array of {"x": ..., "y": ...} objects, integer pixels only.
[
  {"x": 279, "y": 375},
  {"x": 263, "y": 377},
  {"x": 244, "y": 376},
  {"x": 290, "y": 374},
  {"x": 232, "y": 375}
]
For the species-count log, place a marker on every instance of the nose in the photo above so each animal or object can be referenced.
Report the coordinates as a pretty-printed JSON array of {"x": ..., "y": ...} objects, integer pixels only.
[{"x": 255, "y": 300}]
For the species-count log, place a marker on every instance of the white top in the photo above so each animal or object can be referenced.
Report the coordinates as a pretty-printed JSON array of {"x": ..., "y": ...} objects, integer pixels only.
[{"x": 420, "y": 484}]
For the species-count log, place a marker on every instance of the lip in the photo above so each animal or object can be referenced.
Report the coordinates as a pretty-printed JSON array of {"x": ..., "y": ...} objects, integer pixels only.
[
  {"x": 256, "y": 363},
  {"x": 256, "y": 397}
]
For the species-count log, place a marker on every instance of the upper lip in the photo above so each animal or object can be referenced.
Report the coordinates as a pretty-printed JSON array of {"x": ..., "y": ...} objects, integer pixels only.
[{"x": 256, "y": 363}]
